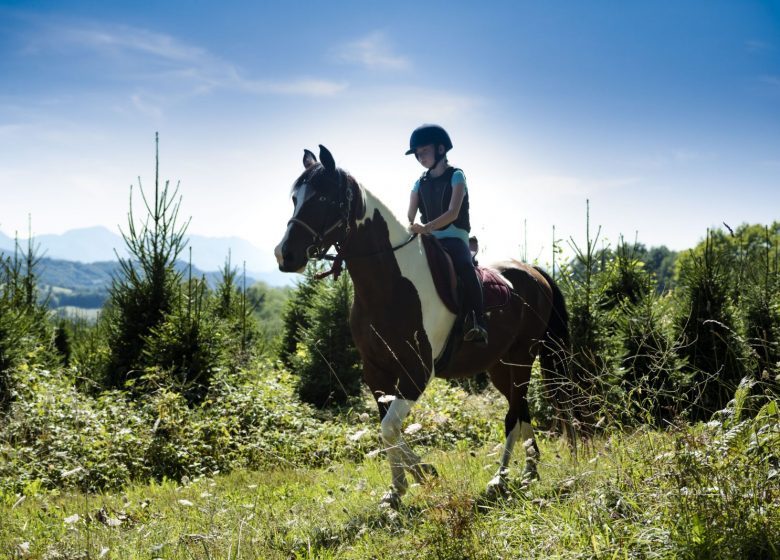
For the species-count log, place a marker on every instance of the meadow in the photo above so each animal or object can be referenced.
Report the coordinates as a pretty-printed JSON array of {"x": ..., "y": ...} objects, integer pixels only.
[{"x": 709, "y": 490}]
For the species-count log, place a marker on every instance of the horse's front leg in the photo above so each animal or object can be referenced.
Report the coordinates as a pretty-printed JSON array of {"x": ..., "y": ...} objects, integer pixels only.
[{"x": 399, "y": 453}]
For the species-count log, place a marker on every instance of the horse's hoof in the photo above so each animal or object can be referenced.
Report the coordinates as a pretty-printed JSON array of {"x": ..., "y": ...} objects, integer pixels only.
[
  {"x": 528, "y": 475},
  {"x": 391, "y": 499},
  {"x": 497, "y": 488},
  {"x": 422, "y": 472}
]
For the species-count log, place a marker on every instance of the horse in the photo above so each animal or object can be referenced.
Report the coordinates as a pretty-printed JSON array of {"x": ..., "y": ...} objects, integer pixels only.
[{"x": 400, "y": 324}]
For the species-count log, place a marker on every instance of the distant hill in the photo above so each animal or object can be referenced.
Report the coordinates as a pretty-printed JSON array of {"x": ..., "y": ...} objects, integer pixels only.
[
  {"x": 86, "y": 285},
  {"x": 97, "y": 245}
]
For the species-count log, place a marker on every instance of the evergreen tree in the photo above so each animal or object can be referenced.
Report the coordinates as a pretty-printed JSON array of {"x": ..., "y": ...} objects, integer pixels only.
[
  {"x": 188, "y": 345},
  {"x": 329, "y": 369},
  {"x": 297, "y": 314},
  {"x": 710, "y": 326},
  {"x": 24, "y": 320},
  {"x": 235, "y": 311},
  {"x": 595, "y": 351},
  {"x": 148, "y": 283},
  {"x": 760, "y": 304},
  {"x": 652, "y": 373}
]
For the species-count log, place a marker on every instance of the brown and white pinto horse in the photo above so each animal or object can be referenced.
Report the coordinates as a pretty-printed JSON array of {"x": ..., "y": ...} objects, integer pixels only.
[{"x": 400, "y": 325}]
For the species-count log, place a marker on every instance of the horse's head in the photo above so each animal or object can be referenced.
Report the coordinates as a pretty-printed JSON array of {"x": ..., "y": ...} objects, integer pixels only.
[{"x": 322, "y": 200}]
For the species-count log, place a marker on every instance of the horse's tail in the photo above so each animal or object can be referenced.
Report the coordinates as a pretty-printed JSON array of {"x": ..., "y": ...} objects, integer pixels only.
[{"x": 561, "y": 390}]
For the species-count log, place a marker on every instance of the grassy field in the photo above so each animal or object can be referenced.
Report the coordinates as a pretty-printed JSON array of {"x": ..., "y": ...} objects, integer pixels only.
[{"x": 688, "y": 492}]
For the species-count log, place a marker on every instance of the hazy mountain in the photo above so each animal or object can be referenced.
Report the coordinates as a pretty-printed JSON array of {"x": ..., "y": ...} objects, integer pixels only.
[
  {"x": 86, "y": 285},
  {"x": 97, "y": 245}
]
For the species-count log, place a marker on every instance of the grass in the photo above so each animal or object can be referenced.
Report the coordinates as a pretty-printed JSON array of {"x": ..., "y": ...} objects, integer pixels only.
[{"x": 647, "y": 494}]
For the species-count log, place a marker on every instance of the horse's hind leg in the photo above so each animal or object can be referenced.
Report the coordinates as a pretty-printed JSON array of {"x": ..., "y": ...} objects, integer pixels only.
[{"x": 511, "y": 378}]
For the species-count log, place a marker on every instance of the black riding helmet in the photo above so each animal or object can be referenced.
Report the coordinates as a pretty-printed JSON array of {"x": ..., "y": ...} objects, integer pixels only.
[{"x": 429, "y": 134}]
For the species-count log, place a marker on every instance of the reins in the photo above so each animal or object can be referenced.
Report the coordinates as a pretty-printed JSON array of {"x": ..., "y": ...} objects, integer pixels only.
[{"x": 338, "y": 258}]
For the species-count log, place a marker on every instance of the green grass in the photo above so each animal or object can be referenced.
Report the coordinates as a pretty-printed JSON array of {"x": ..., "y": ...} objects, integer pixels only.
[{"x": 649, "y": 494}]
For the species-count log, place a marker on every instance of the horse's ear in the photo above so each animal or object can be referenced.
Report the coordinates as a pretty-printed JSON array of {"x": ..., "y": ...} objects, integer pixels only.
[
  {"x": 327, "y": 159},
  {"x": 309, "y": 158}
]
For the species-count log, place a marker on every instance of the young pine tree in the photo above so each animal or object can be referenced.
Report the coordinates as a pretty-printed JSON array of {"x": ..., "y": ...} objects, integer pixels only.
[
  {"x": 710, "y": 327},
  {"x": 329, "y": 370},
  {"x": 147, "y": 285}
]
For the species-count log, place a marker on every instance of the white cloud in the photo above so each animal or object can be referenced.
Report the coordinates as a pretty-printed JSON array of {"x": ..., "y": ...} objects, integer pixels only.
[
  {"x": 373, "y": 51},
  {"x": 144, "y": 105},
  {"x": 303, "y": 86},
  {"x": 146, "y": 56}
]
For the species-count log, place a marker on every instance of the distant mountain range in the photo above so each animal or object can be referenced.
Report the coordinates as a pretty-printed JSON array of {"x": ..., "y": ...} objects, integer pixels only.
[
  {"x": 98, "y": 245},
  {"x": 71, "y": 284}
]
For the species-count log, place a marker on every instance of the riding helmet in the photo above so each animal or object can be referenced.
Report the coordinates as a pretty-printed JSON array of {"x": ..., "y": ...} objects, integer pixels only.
[{"x": 429, "y": 134}]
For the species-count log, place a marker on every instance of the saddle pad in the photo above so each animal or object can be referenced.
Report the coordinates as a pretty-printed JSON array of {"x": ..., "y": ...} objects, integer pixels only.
[{"x": 495, "y": 289}]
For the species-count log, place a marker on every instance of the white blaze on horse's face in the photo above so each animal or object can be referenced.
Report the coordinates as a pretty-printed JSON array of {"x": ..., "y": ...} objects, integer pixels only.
[{"x": 301, "y": 195}]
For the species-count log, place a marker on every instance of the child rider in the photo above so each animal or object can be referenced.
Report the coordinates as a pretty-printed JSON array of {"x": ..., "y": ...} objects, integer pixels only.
[{"x": 442, "y": 198}]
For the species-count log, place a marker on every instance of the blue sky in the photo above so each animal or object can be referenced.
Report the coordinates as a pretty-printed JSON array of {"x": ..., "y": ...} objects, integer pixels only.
[{"x": 665, "y": 115}]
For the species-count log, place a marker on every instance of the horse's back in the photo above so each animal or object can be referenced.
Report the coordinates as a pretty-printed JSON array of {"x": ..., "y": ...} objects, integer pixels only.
[
  {"x": 515, "y": 327},
  {"x": 528, "y": 283}
]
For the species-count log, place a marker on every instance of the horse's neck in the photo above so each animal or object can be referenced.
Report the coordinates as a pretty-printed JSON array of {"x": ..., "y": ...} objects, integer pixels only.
[
  {"x": 396, "y": 231},
  {"x": 375, "y": 261}
]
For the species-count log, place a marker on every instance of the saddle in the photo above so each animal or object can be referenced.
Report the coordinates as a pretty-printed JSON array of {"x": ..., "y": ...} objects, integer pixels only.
[
  {"x": 496, "y": 291},
  {"x": 495, "y": 288}
]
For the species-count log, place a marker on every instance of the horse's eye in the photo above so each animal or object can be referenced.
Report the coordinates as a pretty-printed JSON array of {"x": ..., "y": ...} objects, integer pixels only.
[{"x": 323, "y": 199}]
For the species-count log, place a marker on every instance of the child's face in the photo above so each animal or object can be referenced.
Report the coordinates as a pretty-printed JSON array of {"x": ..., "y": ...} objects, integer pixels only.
[{"x": 426, "y": 155}]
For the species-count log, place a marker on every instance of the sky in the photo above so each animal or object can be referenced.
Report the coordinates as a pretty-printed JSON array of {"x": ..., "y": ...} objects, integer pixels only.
[{"x": 664, "y": 115}]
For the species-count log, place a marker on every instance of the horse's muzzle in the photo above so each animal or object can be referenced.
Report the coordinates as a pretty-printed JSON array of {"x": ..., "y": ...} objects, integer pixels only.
[{"x": 287, "y": 260}]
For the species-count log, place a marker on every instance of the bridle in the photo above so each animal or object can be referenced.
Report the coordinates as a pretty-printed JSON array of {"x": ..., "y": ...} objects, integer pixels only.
[
  {"x": 344, "y": 208},
  {"x": 346, "y": 221}
]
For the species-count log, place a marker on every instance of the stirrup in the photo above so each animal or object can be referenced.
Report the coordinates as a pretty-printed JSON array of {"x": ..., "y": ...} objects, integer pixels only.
[
  {"x": 474, "y": 331},
  {"x": 477, "y": 335}
]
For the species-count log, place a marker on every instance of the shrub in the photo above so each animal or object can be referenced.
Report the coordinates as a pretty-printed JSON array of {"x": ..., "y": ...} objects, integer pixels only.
[
  {"x": 297, "y": 314},
  {"x": 710, "y": 327},
  {"x": 188, "y": 345},
  {"x": 330, "y": 372},
  {"x": 24, "y": 324}
]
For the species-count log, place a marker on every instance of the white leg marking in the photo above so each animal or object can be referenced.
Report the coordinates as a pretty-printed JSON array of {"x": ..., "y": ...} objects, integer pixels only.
[
  {"x": 499, "y": 480},
  {"x": 391, "y": 435},
  {"x": 531, "y": 451},
  {"x": 527, "y": 433},
  {"x": 509, "y": 446}
]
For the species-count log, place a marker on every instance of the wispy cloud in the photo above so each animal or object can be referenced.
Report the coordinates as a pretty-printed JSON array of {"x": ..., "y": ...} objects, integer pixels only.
[
  {"x": 144, "y": 56},
  {"x": 422, "y": 104},
  {"x": 569, "y": 185},
  {"x": 374, "y": 51},
  {"x": 303, "y": 86},
  {"x": 755, "y": 46},
  {"x": 772, "y": 81}
]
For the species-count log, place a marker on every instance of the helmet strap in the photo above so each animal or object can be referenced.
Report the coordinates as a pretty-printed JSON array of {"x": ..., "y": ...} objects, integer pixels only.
[{"x": 438, "y": 157}]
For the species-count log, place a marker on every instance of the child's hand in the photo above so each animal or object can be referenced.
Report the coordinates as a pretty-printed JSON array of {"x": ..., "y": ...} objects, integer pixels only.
[{"x": 418, "y": 228}]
